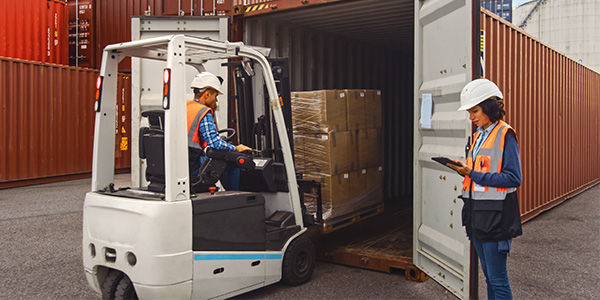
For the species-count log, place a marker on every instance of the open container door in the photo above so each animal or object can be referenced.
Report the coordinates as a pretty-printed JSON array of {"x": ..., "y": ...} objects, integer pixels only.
[{"x": 443, "y": 58}]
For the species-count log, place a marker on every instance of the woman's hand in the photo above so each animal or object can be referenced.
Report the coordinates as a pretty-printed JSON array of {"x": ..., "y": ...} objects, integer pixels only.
[{"x": 463, "y": 170}]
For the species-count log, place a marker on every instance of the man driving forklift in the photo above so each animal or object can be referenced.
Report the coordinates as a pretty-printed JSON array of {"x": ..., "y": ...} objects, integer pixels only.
[{"x": 202, "y": 132}]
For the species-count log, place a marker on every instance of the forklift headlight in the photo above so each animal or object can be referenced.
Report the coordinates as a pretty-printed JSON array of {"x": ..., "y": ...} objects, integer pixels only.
[
  {"x": 99, "y": 82},
  {"x": 166, "y": 88}
]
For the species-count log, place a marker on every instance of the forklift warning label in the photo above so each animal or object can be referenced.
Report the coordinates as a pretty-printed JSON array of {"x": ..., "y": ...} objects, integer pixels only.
[{"x": 123, "y": 145}]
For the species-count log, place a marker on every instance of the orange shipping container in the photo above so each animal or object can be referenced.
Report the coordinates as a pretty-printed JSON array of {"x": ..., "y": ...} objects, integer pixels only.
[
  {"x": 35, "y": 30},
  {"x": 48, "y": 127}
]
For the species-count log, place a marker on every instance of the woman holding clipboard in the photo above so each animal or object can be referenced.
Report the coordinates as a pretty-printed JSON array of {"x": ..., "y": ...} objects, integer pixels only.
[{"x": 492, "y": 174}]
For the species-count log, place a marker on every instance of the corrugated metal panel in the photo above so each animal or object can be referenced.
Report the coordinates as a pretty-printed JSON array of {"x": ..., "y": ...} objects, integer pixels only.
[
  {"x": 332, "y": 53},
  {"x": 47, "y": 124},
  {"x": 34, "y": 30},
  {"x": 82, "y": 34},
  {"x": 553, "y": 103},
  {"x": 113, "y": 18}
]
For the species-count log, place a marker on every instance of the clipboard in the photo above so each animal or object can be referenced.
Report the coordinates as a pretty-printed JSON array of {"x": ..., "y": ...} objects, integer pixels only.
[{"x": 444, "y": 160}]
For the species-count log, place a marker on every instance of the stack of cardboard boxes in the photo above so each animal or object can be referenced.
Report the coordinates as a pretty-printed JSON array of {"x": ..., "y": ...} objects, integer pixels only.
[{"x": 338, "y": 142}]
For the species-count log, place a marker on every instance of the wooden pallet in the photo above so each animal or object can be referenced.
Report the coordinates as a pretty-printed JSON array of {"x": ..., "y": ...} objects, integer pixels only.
[
  {"x": 382, "y": 243},
  {"x": 352, "y": 218}
]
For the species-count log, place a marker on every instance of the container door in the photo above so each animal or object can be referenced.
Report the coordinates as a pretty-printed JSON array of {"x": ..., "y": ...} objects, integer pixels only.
[
  {"x": 443, "y": 48},
  {"x": 147, "y": 86}
]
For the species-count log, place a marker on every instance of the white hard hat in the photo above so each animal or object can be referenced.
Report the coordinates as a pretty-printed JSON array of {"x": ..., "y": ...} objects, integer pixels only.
[
  {"x": 205, "y": 80},
  {"x": 478, "y": 91}
]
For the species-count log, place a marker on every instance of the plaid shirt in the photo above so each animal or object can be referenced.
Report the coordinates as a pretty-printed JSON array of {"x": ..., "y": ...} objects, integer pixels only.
[{"x": 208, "y": 131}]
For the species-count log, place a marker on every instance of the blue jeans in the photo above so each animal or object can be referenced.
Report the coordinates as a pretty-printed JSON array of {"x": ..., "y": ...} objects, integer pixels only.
[
  {"x": 493, "y": 264},
  {"x": 232, "y": 175}
]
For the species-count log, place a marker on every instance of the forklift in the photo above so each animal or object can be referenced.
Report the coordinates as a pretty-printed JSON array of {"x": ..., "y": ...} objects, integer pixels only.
[{"x": 177, "y": 236}]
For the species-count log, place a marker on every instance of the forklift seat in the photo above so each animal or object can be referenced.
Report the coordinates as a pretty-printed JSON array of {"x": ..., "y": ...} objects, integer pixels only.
[{"x": 152, "y": 148}]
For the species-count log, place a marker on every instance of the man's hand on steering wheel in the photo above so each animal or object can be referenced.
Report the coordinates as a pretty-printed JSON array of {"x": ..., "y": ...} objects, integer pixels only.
[{"x": 242, "y": 148}]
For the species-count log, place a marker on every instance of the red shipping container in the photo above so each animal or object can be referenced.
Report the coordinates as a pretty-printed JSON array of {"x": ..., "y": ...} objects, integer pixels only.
[{"x": 35, "y": 30}]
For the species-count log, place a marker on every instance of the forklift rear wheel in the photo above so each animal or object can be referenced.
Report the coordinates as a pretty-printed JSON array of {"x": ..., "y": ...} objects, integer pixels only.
[{"x": 298, "y": 261}]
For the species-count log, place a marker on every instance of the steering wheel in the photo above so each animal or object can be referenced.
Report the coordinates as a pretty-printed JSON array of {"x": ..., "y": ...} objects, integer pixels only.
[{"x": 230, "y": 133}]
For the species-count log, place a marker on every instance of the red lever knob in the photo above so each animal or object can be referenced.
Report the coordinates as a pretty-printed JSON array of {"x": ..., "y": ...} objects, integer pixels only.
[
  {"x": 241, "y": 161},
  {"x": 212, "y": 189}
]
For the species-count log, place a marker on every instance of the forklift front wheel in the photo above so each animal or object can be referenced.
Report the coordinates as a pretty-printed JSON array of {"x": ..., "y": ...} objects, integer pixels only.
[
  {"x": 298, "y": 261},
  {"x": 118, "y": 286}
]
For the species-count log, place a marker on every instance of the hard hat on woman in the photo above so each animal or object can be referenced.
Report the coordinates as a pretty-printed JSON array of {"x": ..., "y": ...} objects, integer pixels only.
[{"x": 478, "y": 91}]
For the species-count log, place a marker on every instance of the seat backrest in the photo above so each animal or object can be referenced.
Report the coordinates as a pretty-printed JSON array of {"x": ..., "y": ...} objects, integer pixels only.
[{"x": 152, "y": 148}]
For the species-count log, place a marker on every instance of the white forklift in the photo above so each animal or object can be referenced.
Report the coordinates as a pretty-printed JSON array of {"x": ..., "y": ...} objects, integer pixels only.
[{"x": 177, "y": 236}]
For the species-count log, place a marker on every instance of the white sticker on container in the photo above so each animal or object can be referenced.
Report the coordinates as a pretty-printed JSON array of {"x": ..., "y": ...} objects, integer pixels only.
[
  {"x": 362, "y": 94},
  {"x": 324, "y": 137},
  {"x": 342, "y": 95},
  {"x": 378, "y": 93},
  {"x": 364, "y": 171},
  {"x": 380, "y": 168},
  {"x": 346, "y": 176},
  {"x": 83, "y": 46}
]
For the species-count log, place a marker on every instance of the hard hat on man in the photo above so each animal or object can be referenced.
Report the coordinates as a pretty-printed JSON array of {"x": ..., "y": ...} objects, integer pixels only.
[
  {"x": 478, "y": 91},
  {"x": 206, "y": 80}
]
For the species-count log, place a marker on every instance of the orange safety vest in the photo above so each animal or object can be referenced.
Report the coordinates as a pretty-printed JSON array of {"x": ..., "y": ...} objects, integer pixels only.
[
  {"x": 195, "y": 112},
  {"x": 488, "y": 160}
]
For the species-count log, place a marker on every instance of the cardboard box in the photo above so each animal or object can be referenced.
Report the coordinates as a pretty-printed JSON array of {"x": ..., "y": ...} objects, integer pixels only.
[
  {"x": 330, "y": 154},
  {"x": 334, "y": 195},
  {"x": 344, "y": 195},
  {"x": 319, "y": 111},
  {"x": 299, "y": 153},
  {"x": 370, "y": 146},
  {"x": 373, "y": 108},
  {"x": 356, "y": 109}
]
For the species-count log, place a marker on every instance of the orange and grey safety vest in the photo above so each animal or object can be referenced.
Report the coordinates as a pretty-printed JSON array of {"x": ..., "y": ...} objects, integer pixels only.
[
  {"x": 195, "y": 112},
  {"x": 488, "y": 160}
]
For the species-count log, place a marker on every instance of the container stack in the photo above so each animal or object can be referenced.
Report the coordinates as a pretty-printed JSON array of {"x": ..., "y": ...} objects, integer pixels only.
[{"x": 337, "y": 142}]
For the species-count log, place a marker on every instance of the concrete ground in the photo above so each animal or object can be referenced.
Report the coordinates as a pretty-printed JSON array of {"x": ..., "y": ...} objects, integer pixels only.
[{"x": 558, "y": 257}]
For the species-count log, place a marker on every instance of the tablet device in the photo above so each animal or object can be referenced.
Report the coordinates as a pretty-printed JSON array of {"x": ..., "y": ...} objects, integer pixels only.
[{"x": 444, "y": 160}]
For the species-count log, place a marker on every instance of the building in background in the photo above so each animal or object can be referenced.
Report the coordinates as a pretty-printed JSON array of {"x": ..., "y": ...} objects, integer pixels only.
[
  {"x": 572, "y": 27},
  {"x": 502, "y": 8}
]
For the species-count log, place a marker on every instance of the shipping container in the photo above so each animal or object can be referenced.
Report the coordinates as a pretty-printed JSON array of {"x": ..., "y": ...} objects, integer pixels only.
[
  {"x": 417, "y": 50},
  {"x": 82, "y": 42},
  {"x": 543, "y": 88},
  {"x": 105, "y": 22},
  {"x": 502, "y": 8},
  {"x": 48, "y": 122},
  {"x": 35, "y": 30}
]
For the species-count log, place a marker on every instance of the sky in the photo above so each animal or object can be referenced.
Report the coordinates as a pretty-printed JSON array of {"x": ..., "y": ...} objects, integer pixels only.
[{"x": 516, "y": 3}]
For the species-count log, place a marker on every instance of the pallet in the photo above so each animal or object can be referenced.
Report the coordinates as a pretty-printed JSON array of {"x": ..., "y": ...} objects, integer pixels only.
[
  {"x": 382, "y": 243},
  {"x": 336, "y": 223}
]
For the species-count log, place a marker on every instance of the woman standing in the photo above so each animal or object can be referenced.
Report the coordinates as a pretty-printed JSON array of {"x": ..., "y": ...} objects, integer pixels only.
[{"x": 492, "y": 173}]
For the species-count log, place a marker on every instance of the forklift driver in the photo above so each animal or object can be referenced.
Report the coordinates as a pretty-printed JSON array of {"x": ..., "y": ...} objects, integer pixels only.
[{"x": 202, "y": 132}]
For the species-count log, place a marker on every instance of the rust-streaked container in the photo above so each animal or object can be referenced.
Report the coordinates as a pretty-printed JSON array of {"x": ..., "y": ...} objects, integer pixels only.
[
  {"x": 553, "y": 103},
  {"x": 48, "y": 122},
  {"x": 34, "y": 30}
]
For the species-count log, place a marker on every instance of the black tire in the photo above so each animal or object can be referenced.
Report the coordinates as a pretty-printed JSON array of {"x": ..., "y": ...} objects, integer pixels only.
[
  {"x": 125, "y": 290},
  {"x": 109, "y": 286},
  {"x": 298, "y": 261}
]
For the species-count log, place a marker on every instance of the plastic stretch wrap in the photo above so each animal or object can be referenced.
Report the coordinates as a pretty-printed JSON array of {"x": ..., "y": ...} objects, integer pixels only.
[{"x": 336, "y": 144}]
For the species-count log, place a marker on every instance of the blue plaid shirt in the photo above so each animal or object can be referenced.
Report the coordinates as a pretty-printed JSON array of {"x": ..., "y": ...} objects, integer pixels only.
[{"x": 207, "y": 129}]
